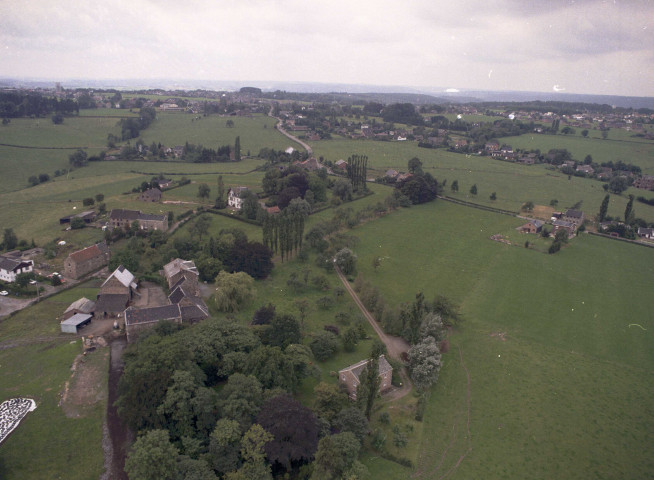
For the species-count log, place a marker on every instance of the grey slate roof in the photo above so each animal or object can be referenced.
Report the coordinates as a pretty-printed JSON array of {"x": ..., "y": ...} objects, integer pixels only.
[
  {"x": 112, "y": 302},
  {"x": 135, "y": 316},
  {"x": 83, "y": 305},
  {"x": 358, "y": 368}
]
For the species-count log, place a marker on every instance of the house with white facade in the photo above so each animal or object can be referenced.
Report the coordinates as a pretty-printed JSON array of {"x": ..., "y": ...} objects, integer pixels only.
[
  {"x": 10, "y": 268},
  {"x": 235, "y": 196}
]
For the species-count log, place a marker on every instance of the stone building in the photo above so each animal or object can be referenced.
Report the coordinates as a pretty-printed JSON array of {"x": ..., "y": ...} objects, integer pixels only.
[
  {"x": 87, "y": 260},
  {"x": 119, "y": 218},
  {"x": 350, "y": 376}
]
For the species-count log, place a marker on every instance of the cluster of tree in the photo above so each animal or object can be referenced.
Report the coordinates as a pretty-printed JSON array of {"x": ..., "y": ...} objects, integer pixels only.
[
  {"x": 622, "y": 166},
  {"x": 41, "y": 178},
  {"x": 282, "y": 186},
  {"x": 22, "y": 104},
  {"x": 402, "y": 113},
  {"x": 420, "y": 187},
  {"x": 357, "y": 166},
  {"x": 284, "y": 232},
  {"x": 131, "y": 127},
  {"x": 199, "y": 154},
  {"x": 251, "y": 427},
  {"x": 500, "y": 128},
  {"x": 280, "y": 156},
  {"x": 560, "y": 108},
  {"x": 560, "y": 238}
]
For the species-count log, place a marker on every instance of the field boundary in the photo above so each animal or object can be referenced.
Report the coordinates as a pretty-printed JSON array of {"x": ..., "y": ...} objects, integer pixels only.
[
  {"x": 476, "y": 205},
  {"x": 626, "y": 240},
  {"x": 41, "y": 148}
]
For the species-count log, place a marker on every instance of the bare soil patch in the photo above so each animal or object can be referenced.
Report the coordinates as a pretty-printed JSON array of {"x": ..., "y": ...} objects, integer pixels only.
[
  {"x": 86, "y": 387},
  {"x": 542, "y": 212},
  {"x": 499, "y": 335}
]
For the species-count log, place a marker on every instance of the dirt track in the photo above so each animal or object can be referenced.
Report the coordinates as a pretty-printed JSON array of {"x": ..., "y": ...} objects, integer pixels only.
[
  {"x": 395, "y": 346},
  {"x": 119, "y": 436}
]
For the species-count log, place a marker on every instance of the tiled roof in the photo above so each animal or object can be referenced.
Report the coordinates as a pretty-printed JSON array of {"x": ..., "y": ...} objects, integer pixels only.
[
  {"x": 358, "y": 368},
  {"x": 83, "y": 305},
  {"x": 135, "y": 316},
  {"x": 89, "y": 252},
  {"x": 111, "y": 302}
]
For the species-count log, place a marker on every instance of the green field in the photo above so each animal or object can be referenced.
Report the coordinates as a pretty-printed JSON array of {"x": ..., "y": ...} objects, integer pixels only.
[
  {"x": 551, "y": 400},
  {"x": 176, "y": 129},
  {"x": 36, "y": 361},
  {"x": 514, "y": 184}
]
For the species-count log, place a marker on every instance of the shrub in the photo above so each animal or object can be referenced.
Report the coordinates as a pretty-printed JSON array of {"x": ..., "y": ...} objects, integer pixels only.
[{"x": 324, "y": 345}]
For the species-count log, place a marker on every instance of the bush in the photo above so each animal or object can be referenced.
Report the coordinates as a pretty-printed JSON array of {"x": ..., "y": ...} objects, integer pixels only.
[
  {"x": 325, "y": 303},
  {"x": 87, "y": 202},
  {"x": 332, "y": 328}
]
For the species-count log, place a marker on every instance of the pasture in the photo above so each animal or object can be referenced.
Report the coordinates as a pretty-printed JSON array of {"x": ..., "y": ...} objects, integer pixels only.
[
  {"x": 212, "y": 131},
  {"x": 513, "y": 183},
  {"x": 36, "y": 361},
  {"x": 564, "y": 391}
]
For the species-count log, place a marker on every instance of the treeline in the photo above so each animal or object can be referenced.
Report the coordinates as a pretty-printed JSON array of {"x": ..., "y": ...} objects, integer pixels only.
[
  {"x": 17, "y": 104},
  {"x": 199, "y": 154},
  {"x": 560, "y": 108},
  {"x": 131, "y": 127}
]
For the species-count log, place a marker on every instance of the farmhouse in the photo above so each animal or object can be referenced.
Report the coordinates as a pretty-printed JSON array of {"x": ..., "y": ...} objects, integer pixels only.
[
  {"x": 532, "y": 226},
  {"x": 152, "y": 195},
  {"x": 235, "y": 196},
  {"x": 341, "y": 164},
  {"x": 87, "y": 260},
  {"x": 647, "y": 233},
  {"x": 645, "y": 182},
  {"x": 563, "y": 225},
  {"x": 138, "y": 320},
  {"x": 10, "y": 268},
  {"x": 119, "y": 218},
  {"x": 83, "y": 306},
  {"x": 574, "y": 216},
  {"x": 350, "y": 376},
  {"x": 164, "y": 183}
]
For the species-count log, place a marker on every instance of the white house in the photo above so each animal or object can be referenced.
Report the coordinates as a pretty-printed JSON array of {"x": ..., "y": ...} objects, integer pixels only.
[
  {"x": 10, "y": 268},
  {"x": 234, "y": 196}
]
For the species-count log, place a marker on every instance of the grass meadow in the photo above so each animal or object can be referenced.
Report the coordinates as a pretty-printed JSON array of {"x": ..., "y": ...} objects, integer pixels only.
[
  {"x": 513, "y": 184},
  {"x": 37, "y": 364},
  {"x": 564, "y": 392}
]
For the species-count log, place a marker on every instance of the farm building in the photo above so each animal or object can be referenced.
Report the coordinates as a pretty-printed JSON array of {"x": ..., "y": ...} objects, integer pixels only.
[
  {"x": 116, "y": 292},
  {"x": 87, "y": 216},
  {"x": 150, "y": 195},
  {"x": 74, "y": 323},
  {"x": 119, "y": 218},
  {"x": 87, "y": 260},
  {"x": 532, "y": 226},
  {"x": 138, "y": 320},
  {"x": 83, "y": 305},
  {"x": 349, "y": 377},
  {"x": 563, "y": 225}
]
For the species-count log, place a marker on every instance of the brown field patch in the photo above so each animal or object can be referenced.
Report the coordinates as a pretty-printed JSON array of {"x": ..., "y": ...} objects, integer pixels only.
[
  {"x": 542, "y": 212},
  {"x": 87, "y": 384}
]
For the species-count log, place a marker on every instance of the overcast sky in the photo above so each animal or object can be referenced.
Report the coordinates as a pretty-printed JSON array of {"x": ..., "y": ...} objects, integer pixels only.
[{"x": 577, "y": 46}]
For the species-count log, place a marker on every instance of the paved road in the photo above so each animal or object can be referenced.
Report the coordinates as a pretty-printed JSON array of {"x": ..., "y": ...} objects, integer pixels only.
[
  {"x": 284, "y": 132},
  {"x": 395, "y": 346}
]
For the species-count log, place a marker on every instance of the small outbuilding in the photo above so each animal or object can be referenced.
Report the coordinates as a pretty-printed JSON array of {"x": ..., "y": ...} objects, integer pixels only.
[{"x": 74, "y": 323}]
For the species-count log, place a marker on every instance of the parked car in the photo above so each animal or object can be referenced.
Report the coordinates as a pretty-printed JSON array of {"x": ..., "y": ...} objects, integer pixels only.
[
  {"x": 4, "y": 292},
  {"x": 32, "y": 282}
]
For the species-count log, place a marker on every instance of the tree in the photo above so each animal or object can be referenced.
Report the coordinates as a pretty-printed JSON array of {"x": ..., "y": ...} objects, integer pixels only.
[
  {"x": 528, "y": 206},
  {"x": 273, "y": 368},
  {"x": 342, "y": 189},
  {"x": 23, "y": 279},
  {"x": 78, "y": 159},
  {"x": 250, "y": 205},
  {"x": 493, "y": 196},
  {"x": 324, "y": 345},
  {"x": 418, "y": 188},
  {"x": 203, "y": 191},
  {"x": 588, "y": 160},
  {"x": 294, "y": 429},
  {"x": 336, "y": 458},
  {"x": 254, "y": 460},
  {"x": 455, "y": 186},
  {"x": 368, "y": 389},
  {"x": 220, "y": 199},
  {"x": 629, "y": 211},
  {"x": 200, "y": 227},
  {"x": 253, "y": 258},
  {"x": 618, "y": 184},
  {"x": 152, "y": 457},
  {"x": 241, "y": 399},
  {"x": 224, "y": 445},
  {"x": 229, "y": 123},
  {"x": 415, "y": 166},
  {"x": 424, "y": 363},
  {"x": 329, "y": 400},
  {"x": 353, "y": 420},
  {"x": 264, "y": 315},
  {"x": 473, "y": 189},
  {"x": 77, "y": 223},
  {"x": 376, "y": 263},
  {"x": 9, "y": 239},
  {"x": 237, "y": 149},
  {"x": 283, "y": 331},
  {"x": 584, "y": 133},
  {"x": 58, "y": 119},
  {"x": 346, "y": 260},
  {"x": 604, "y": 208},
  {"x": 233, "y": 290},
  {"x": 87, "y": 202},
  {"x": 99, "y": 197},
  {"x": 605, "y": 134}
]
